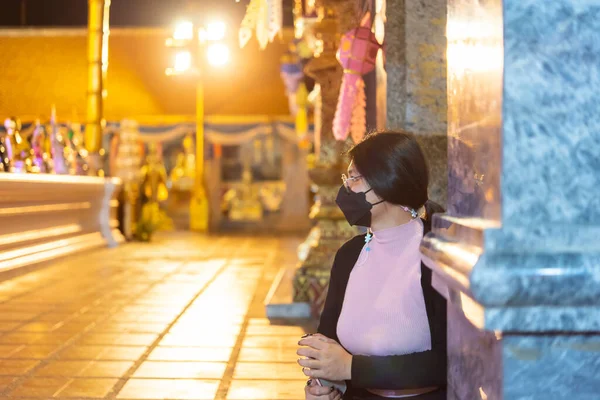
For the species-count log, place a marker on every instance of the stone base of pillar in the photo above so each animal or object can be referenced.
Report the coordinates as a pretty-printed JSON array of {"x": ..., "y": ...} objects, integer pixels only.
[
  {"x": 474, "y": 356},
  {"x": 488, "y": 365},
  {"x": 522, "y": 321},
  {"x": 551, "y": 366}
]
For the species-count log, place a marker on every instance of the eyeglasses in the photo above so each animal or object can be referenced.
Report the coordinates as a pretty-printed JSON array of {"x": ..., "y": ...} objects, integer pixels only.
[{"x": 347, "y": 181}]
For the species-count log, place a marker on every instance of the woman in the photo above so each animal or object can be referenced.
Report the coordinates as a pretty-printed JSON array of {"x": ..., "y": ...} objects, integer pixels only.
[{"x": 383, "y": 327}]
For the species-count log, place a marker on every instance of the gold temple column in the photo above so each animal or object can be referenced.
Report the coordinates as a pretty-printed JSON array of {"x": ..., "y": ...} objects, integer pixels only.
[
  {"x": 98, "y": 30},
  {"x": 199, "y": 207},
  {"x": 312, "y": 278}
]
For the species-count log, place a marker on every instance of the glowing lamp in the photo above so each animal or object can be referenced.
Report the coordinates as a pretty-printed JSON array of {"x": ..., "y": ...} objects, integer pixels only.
[{"x": 217, "y": 54}]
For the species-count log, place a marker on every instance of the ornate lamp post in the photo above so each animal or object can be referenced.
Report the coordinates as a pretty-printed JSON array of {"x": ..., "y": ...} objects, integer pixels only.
[{"x": 196, "y": 46}]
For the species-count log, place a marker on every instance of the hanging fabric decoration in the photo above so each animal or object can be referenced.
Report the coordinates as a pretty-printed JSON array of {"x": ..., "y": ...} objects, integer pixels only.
[
  {"x": 291, "y": 74},
  {"x": 249, "y": 22},
  {"x": 357, "y": 55},
  {"x": 275, "y": 15},
  {"x": 262, "y": 24},
  {"x": 265, "y": 19},
  {"x": 358, "y": 122}
]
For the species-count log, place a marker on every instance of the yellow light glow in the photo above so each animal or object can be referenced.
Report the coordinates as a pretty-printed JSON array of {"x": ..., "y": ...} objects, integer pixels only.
[
  {"x": 474, "y": 57},
  {"x": 217, "y": 54},
  {"x": 474, "y": 46},
  {"x": 184, "y": 31},
  {"x": 215, "y": 30},
  {"x": 183, "y": 61}
]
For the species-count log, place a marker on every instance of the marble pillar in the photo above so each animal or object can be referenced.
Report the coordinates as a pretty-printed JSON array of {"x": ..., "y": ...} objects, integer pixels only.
[
  {"x": 331, "y": 230},
  {"x": 415, "y": 63},
  {"x": 517, "y": 254}
]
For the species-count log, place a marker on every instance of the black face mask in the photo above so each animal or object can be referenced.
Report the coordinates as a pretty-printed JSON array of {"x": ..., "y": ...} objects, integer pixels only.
[{"x": 355, "y": 206}]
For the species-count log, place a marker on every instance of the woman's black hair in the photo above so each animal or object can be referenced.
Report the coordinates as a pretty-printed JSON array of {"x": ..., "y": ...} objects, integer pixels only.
[{"x": 394, "y": 166}]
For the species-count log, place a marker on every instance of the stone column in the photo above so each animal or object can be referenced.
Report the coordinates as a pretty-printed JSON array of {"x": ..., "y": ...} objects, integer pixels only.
[
  {"x": 294, "y": 207},
  {"x": 331, "y": 230},
  {"x": 518, "y": 253},
  {"x": 415, "y": 63}
]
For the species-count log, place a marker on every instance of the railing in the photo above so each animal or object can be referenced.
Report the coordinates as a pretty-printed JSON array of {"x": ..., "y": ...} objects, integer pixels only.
[{"x": 43, "y": 217}]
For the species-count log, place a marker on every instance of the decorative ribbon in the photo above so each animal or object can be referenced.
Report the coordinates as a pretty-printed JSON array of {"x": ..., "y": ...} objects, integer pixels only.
[{"x": 212, "y": 135}]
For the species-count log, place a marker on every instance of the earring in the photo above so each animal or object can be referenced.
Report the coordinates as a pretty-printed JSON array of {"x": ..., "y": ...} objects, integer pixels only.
[
  {"x": 412, "y": 211},
  {"x": 368, "y": 239}
]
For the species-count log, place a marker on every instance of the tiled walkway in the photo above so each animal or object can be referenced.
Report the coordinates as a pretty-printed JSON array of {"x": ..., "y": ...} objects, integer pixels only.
[{"x": 181, "y": 318}]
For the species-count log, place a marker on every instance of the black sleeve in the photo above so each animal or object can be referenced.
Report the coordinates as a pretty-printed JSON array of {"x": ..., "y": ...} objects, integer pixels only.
[
  {"x": 410, "y": 371},
  {"x": 333, "y": 302}
]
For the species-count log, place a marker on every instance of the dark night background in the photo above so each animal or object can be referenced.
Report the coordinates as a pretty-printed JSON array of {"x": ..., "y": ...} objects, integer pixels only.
[{"x": 124, "y": 13}]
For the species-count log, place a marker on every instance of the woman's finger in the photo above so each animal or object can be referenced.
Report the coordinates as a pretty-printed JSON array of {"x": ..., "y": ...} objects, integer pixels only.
[
  {"x": 309, "y": 363},
  {"x": 307, "y": 394},
  {"x": 320, "y": 390},
  {"x": 313, "y": 342},
  {"x": 313, "y": 373},
  {"x": 323, "y": 338},
  {"x": 308, "y": 352}
]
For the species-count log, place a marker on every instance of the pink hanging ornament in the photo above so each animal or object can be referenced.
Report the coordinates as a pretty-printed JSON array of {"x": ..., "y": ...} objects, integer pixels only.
[
  {"x": 357, "y": 55},
  {"x": 358, "y": 124},
  {"x": 345, "y": 106}
]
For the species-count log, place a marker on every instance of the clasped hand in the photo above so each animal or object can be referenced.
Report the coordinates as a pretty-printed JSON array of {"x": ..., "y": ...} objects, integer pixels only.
[
  {"x": 326, "y": 358},
  {"x": 316, "y": 392}
]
